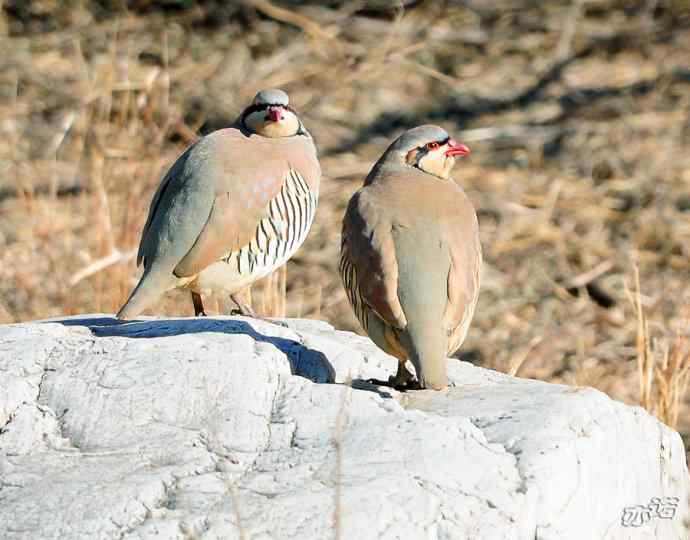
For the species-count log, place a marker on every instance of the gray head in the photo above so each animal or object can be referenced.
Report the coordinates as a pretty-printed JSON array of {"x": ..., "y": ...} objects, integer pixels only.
[
  {"x": 270, "y": 115},
  {"x": 271, "y": 96},
  {"x": 428, "y": 148}
]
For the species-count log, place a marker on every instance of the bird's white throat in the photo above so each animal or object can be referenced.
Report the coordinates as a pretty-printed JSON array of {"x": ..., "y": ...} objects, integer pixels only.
[{"x": 259, "y": 123}]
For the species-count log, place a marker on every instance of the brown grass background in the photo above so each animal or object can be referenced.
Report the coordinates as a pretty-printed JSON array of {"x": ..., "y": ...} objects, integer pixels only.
[{"x": 577, "y": 113}]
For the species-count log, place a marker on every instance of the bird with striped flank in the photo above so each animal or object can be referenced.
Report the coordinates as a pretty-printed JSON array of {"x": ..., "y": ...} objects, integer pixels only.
[
  {"x": 410, "y": 256},
  {"x": 234, "y": 207}
]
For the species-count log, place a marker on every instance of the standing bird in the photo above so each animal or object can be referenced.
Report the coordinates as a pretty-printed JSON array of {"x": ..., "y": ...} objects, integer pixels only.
[
  {"x": 235, "y": 206},
  {"x": 411, "y": 257}
]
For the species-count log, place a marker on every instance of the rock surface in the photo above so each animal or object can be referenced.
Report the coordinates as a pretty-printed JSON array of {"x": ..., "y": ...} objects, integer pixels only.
[{"x": 226, "y": 428}]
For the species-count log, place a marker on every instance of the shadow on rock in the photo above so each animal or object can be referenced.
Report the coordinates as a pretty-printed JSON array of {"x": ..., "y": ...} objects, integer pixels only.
[{"x": 305, "y": 361}]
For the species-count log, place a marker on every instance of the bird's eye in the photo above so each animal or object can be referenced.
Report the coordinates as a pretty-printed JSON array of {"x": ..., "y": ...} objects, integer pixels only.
[{"x": 432, "y": 146}]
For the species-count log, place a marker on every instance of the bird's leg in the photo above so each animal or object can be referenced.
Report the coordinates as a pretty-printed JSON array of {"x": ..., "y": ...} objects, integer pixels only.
[
  {"x": 198, "y": 305},
  {"x": 403, "y": 379},
  {"x": 243, "y": 301}
]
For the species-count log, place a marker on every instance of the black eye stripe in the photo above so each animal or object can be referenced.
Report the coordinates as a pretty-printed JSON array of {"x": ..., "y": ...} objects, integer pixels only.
[
  {"x": 257, "y": 107},
  {"x": 440, "y": 143}
]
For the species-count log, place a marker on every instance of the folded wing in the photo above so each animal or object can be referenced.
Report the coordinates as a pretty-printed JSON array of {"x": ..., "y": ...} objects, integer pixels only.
[
  {"x": 211, "y": 202},
  {"x": 368, "y": 263}
]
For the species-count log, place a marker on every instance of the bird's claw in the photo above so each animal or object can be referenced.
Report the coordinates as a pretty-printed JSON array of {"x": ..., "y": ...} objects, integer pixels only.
[{"x": 393, "y": 382}]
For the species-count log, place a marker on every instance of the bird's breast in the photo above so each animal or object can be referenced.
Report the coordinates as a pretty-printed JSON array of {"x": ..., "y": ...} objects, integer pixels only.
[{"x": 277, "y": 237}]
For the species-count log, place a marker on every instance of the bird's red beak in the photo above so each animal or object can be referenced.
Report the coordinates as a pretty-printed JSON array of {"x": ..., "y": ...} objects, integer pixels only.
[
  {"x": 456, "y": 149},
  {"x": 274, "y": 114}
]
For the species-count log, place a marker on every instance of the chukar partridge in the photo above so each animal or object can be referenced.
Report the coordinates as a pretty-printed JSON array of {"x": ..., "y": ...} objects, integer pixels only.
[
  {"x": 235, "y": 206},
  {"x": 410, "y": 255}
]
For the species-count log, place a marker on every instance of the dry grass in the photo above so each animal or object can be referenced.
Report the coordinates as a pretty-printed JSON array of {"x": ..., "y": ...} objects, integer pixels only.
[
  {"x": 663, "y": 369},
  {"x": 577, "y": 115}
]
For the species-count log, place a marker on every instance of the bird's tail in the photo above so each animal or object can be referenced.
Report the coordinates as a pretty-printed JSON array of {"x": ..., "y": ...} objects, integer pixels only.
[
  {"x": 427, "y": 347},
  {"x": 150, "y": 287},
  {"x": 423, "y": 295}
]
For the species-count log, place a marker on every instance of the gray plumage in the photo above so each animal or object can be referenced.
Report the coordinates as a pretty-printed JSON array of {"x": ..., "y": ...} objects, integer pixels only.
[
  {"x": 272, "y": 96},
  {"x": 410, "y": 255},
  {"x": 232, "y": 208}
]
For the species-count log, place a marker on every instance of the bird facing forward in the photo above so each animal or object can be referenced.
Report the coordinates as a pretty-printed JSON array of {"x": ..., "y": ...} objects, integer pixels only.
[
  {"x": 411, "y": 257},
  {"x": 235, "y": 206}
]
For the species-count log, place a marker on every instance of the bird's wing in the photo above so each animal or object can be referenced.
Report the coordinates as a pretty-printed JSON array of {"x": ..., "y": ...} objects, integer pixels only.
[
  {"x": 231, "y": 223},
  {"x": 175, "y": 172},
  {"x": 368, "y": 263}
]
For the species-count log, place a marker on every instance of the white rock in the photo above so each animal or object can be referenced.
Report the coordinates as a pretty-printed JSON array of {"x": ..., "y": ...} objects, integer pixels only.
[{"x": 224, "y": 428}]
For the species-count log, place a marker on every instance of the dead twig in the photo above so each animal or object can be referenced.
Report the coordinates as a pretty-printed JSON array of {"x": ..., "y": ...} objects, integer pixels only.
[
  {"x": 309, "y": 27},
  {"x": 112, "y": 258},
  {"x": 565, "y": 43},
  {"x": 583, "y": 279}
]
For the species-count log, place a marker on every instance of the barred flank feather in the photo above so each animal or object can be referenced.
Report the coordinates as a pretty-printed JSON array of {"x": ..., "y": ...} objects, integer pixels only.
[
  {"x": 278, "y": 236},
  {"x": 348, "y": 274}
]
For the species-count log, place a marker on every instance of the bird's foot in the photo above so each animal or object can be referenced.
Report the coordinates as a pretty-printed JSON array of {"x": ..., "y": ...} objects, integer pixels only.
[
  {"x": 396, "y": 383},
  {"x": 245, "y": 311},
  {"x": 379, "y": 382},
  {"x": 237, "y": 311},
  {"x": 243, "y": 307},
  {"x": 413, "y": 385}
]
